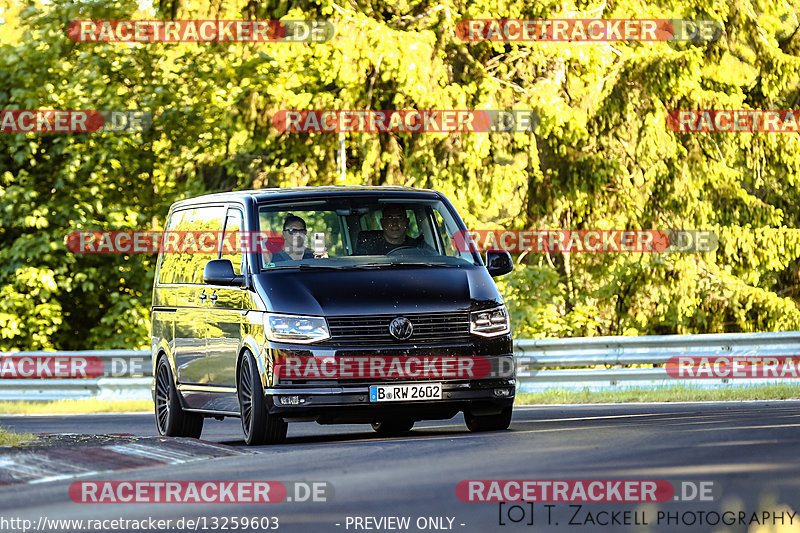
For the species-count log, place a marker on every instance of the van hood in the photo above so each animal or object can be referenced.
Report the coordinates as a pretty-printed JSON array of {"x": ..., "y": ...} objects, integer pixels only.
[{"x": 377, "y": 291}]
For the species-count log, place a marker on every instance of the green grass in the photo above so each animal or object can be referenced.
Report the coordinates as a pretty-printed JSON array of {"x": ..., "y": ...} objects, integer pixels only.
[
  {"x": 76, "y": 406},
  {"x": 677, "y": 393},
  {"x": 9, "y": 438}
]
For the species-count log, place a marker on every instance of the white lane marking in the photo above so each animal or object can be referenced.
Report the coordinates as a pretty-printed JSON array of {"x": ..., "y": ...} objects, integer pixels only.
[
  {"x": 629, "y": 404},
  {"x": 33, "y": 415},
  {"x": 735, "y": 443},
  {"x": 597, "y": 417},
  {"x": 219, "y": 447},
  {"x": 33, "y": 466},
  {"x": 86, "y": 473},
  {"x": 693, "y": 470},
  {"x": 61, "y": 477},
  {"x": 159, "y": 454}
]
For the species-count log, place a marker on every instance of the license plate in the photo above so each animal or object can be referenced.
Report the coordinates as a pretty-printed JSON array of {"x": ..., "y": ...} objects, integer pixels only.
[{"x": 405, "y": 393}]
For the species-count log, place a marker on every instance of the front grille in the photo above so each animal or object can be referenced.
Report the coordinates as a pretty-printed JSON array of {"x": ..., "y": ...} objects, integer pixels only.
[{"x": 373, "y": 330}]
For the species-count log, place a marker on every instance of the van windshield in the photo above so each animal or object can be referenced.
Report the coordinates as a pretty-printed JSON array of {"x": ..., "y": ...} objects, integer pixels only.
[{"x": 361, "y": 233}]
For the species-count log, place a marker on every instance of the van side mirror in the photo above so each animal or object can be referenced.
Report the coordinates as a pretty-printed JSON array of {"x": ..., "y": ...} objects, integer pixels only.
[
  {"x": 498, "y": 262},
  {"x": 220, "y": 272}
]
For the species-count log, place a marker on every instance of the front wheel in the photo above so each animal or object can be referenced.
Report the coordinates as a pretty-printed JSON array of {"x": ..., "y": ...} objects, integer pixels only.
[
  {"x": 489, "y": 422},
  {"x": 171, "y": 419},
  {"x": 259, "y": 426}
]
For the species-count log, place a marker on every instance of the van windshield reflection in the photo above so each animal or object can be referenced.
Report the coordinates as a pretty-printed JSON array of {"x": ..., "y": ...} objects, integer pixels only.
[{"x": 375, "y": 233}]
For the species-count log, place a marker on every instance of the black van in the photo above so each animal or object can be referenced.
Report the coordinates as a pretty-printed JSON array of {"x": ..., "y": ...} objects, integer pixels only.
[{"x": 327, "y": 304}]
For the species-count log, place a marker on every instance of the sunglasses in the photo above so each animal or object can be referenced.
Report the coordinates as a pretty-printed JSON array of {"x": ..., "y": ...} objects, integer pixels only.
[
  {"x": 295, "y": 231},
  {"x": 394, "y": 219}
]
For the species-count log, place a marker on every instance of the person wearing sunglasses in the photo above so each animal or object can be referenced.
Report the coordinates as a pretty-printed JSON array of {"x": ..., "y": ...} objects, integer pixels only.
[{"x": 294, "y": 240}]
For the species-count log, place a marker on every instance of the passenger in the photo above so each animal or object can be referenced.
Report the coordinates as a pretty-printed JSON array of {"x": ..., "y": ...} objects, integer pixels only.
[
  {"x": 294, "y": 240},
  {"x": 395, "y": 225}
]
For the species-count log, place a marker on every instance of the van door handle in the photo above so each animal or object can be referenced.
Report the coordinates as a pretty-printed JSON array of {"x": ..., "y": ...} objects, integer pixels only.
[
  {"x": 213, "y": 298},
  {"x": 202, "y": 296}
]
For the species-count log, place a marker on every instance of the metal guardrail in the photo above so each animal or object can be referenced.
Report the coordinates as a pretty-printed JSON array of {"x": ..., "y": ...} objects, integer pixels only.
[
  {"x": 541, "y": 364},
  {"x": 553, "y": 363},
  {"x": 72, "y": 389},
  {"x": 118, "y": 366}
]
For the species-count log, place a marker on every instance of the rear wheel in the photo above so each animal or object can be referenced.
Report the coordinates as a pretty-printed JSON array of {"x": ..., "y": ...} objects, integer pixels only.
[
  {"x": 259, "y": 426},
  {"x": 171, "y": 419},
  {"x": 489, "y": 422},
  {"x": 397, "y": 426}
]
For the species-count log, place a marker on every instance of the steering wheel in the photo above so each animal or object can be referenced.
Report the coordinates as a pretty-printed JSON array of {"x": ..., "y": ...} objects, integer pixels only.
[
  {"x": 417, "y": 249},
  {"x": 392, "y": 252}
]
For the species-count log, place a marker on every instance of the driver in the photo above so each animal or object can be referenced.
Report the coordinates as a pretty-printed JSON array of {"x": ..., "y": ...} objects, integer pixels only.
[{"x": 395, "y": 225}]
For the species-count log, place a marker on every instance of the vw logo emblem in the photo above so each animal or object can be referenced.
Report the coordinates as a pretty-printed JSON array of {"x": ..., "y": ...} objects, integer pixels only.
[{"x": 401, "y": 328}]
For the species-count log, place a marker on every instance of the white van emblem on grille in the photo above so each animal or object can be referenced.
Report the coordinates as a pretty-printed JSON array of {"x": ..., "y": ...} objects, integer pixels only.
[{"x": 401, "y": 328}]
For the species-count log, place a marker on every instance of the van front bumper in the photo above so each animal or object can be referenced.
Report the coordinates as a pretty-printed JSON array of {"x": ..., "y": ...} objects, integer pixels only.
[{"x": 350, "y": 403}]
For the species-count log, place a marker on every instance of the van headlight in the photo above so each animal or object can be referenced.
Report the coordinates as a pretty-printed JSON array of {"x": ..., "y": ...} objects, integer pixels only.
[
  {"x": 490, "y": 322},
  {"x": 293, "y": 328}
]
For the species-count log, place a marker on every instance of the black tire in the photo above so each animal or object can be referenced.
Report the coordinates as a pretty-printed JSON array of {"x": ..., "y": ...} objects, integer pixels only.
[
  {"x": 171, "y": 419},
  {"x": 398, "y": 426},
  {"x": 489, "y": 422},
  {"x": 259, "y": 427}
]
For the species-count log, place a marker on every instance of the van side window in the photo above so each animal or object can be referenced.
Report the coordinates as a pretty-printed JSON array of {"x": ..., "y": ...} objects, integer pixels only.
[
  {"x": 233, "y": 224},
  {"x": 168, "y": 269},
  {"x": 185, "y": 249}
]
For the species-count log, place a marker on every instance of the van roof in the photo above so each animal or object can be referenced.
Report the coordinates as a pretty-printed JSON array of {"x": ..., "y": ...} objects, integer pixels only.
[{"x": 304, "y": 192}]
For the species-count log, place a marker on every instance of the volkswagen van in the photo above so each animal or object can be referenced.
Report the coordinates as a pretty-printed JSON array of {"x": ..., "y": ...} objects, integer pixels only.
[{"x": 355, "y": 305}]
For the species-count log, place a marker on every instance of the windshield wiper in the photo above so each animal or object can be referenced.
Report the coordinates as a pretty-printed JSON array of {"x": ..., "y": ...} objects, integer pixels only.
[
  {"x": 402, "y": 264},
  {"x": 312, "y": 266},
  {"x": 303, "y": 267}
]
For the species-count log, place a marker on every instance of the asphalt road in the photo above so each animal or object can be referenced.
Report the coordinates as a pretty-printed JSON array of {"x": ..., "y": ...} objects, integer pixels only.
[{"x": 748, "y": 451}]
